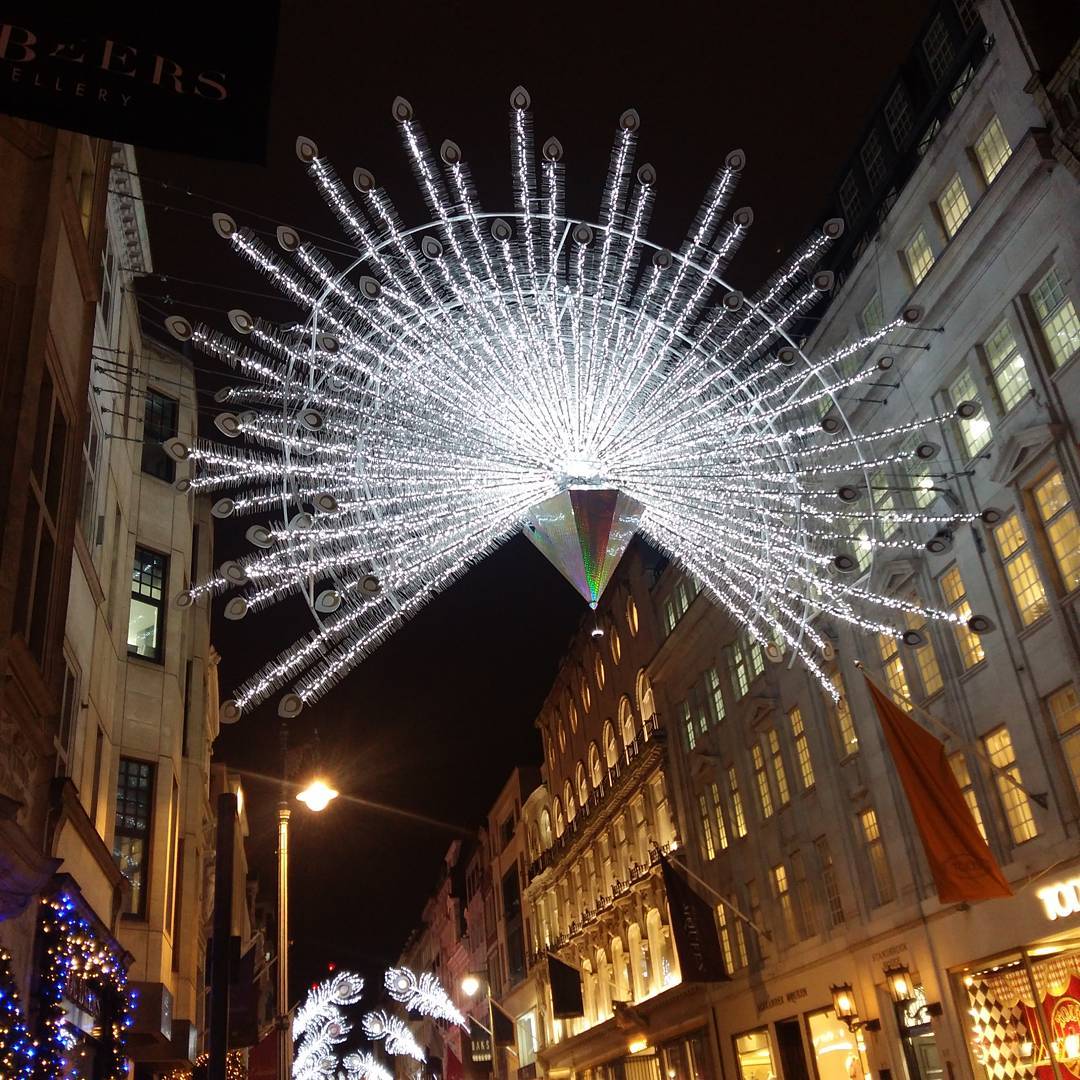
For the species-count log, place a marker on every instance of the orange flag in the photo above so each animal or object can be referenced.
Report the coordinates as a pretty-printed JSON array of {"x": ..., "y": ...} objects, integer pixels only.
[{"x": 963, "y": 866}]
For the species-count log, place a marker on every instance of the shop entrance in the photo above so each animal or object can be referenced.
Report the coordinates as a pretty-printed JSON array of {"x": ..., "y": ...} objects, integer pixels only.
[
  {"x": 789, "y": 1044},
  {"x": 917, "y": 1036}
]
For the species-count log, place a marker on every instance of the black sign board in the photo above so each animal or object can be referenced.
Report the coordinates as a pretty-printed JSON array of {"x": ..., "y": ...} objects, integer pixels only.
[{"x": 193, "y": 78}]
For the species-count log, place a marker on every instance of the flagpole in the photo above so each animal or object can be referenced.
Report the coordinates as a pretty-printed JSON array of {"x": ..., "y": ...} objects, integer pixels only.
[
  {"x": 723, "y": 899},
  {"x": 941, "y": 726}
]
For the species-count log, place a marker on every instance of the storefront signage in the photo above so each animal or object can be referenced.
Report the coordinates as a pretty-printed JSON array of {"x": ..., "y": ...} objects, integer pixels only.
[
  {"x": 81, "y": 994},
  {"x": 780, "y": 999},
  {"x": 1061, "y": 899},
  {"x": 885, "y": 954}
]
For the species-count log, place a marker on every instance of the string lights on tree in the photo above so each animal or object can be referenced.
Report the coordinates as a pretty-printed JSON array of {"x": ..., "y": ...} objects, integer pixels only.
[
  {"x": 18, "y": 1048},
  {"x": 487, "y": 374}
]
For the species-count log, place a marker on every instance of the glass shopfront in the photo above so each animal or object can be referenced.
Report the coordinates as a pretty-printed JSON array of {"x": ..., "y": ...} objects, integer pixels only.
[
  {"x": 753, "y": 1052},
  {"x": 839, "y": 1053},
  {"x": 1023, "y": 1011}
]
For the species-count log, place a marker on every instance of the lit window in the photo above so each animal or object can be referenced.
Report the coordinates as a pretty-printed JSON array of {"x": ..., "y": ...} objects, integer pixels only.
[
  {"x": 131, "y": 846},
  {"x": 783, "y": 792},
  {"x": 631, "y": 616},
  {"x": 146, "y": 616},
  {"x": 1057, "y": 316},
  {"x": 572, "y": 710},
  {"x": 845, "y": 723},
  {"x": 952, "y": 589},
  {"x": 958, "y": 764},
  {"x": 921, "y": 482},
  {"x": 688, "y": 725},
  {"x": 562, "y": 735},
  {"x": 738, "y": 818},
  {"x": 828, "y": 876},
  {"x": 938, "y": 49},
  {"x": 992, "y": 150},
  {"x": 716, "y": 695},
  {"x": 918, "y": 256},
  {"x": 646, "y": 701},
  {"x": 1007, "y": 366},
  {"x": 596, "y": 769},
  {"x": 894, "y": 670},
  {"x": 586, "y": 698},
  {"x": 761, "y": 779},
  {"x": 560, "y": 819},
  {"x": 568, "y": 799},
  {"x": 975, "y": 431},
  {"x": 898, "y": 115},
  {"x": 1064, "y": 706},
  {"x": 616, "y": 645},
  {"x": 582, "y": 785},
  {"x": 708, "y": 849},
  {"x": 925, "y": 657},
  {"x": 850, "y": 198},
  {"x": 740, "y": 679},
  {"x": 1014, "y": 801},
  {"x": 670, "y": 618},
  {"x": 884, "y": 505},
  {"x": 884, "y": 890},
  {"x": 1061, "y": 526},
  {"x": 626, "y": 722},
  {"x": 725, "y": 937},
  {"x": 873, "y": 315},
  {"x": 601, "y": 675},
  {"x": 611, "y": 745},
  {"x": 1024, "y": 581},
  {"x": 718, "y": 810},
  {"x": 873, "y": 160},
  {"x": 802, "y": 748},
  {"x": 954, "y": 207},
  {"x": 782, "y": 892}
]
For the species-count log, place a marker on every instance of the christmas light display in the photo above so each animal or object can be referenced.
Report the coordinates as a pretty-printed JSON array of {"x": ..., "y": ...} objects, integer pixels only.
[
  {"x": 486, "y": 374},
  {"x": 18, "y": 1049},
  {"x": 394, "y": 1033},
  {"x": 320, "y": 1025},
  {"x": 78, "y": 964},
  {"x": 423, "y": 994},
  {"x": 363, "y": 1066}
]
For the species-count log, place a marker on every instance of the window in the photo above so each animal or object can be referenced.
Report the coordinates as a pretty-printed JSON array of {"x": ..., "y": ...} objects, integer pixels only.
[
  {"x": 586, "y": 699},
  {"x": 783, "y": 792},
  {"x": 91, "y": 495},
  {"x": 626, "y": 722},
  {"x": 873, "y": 315},
  {"x": 646, "y": 701},
  {"x": 718, "y": 810},
  {"x": 802, "y": 748},
  {"x": 601, "y": 674},
  {"x": 761, "y": 779},
  {"x": 968, "y": 16},
  {"x": 108, "y": 284},
  {"x": 782, "y": 892},
  {"x": 738, "y": 818},
  {"x": 922, "y": 494},
  {"x": 582, "y": 785},
  {"x": 885, "y": 507},
  {"x": 34, "y": 591},
  {"x": 746, "y": 662},
  {"x": 146, "y": 618},
  {"x": 925, "y": 658},
  {"x": 805, "y": 921},
  {"x": 953, "y": 206},
  {"x": 898, "y": 115},
  {"x": 569, "y": 801},
  {"x": 688, "y": 725},
  {"x": 1064, "y": 708},
  {"x": 159, "y": 425},
  {"x": 850, "y": 198},
  {"x": 615, "y": 645},
  {"x": 894, "y": 671},
  {"x": 131, "y": 848},
  {"x": 562, "y": 734},
  {"x": 1007, "y": 366},
  {"x": 68, "y": 718},
  {"x": 884, "y": 890},
  {"x": 1026, "y": 586},
  {"x": 845, "y": 723},
  {"x": 754, "y": 903},
  {"x": 631, "y": 616},
  {"x": 560, "y": 819},
  {"x": 975, "y": 431},
  {"x": 1014, "y": 801},
  {"x": 992, "y": 150},
  {"x": 708, "y": 849},
  {"x": 958, "y": 764},
  {"x": 725, "y": 937},
  {"x": 596, "y": 768},
  {"x": 1057, "y": 317},
  {"x": 716, "y": 694},
  {"x": 611, "y": 745},
  {"x": 1061, "y": 527},
  {"x": 828, "y": 879},
  {"x": 873, "y": 161},
  {"x": 938, "y": 49},
  {"x": 919, "y": 256},
  {"x": 572, "y": 710},
  {"x": 969, "y": 645}
]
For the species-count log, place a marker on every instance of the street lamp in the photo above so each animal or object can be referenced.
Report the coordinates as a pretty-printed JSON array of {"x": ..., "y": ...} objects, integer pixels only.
[
  {"x": 470, "y": 985},
  {"x": 317, "y": 795}
]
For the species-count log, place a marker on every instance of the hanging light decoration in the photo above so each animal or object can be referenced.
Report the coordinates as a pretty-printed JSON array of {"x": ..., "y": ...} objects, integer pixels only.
[{"x": 487, "y": 374}]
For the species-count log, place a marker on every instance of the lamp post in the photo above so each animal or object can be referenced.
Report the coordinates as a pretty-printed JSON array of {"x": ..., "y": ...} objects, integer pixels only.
[{"x": 316, "y": 797}]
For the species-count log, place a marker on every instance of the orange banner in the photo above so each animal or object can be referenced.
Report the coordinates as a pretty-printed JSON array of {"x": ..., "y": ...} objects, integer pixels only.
[{"x": 963, "y": 866}]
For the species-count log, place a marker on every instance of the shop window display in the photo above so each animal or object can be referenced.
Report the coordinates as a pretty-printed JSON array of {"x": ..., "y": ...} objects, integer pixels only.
[
  {"x": 754, "y": 1055},
  {"x": 839, "y": 1053}
]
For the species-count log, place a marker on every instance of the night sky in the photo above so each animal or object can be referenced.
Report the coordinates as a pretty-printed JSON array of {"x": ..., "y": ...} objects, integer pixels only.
[{"x": 430, "y": 727}]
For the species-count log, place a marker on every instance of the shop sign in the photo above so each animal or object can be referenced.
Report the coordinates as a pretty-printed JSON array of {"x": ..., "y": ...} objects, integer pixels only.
[
  {"x": 81, "y": 994},
  {"x": 1061, "y": 899},
  {"x": 780, "y": 999}
]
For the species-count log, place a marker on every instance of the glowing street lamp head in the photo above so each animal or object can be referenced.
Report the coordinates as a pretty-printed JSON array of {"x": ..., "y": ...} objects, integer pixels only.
[
  {"x": 470, "y": 985},
  {"x": 317, "y": 795}
]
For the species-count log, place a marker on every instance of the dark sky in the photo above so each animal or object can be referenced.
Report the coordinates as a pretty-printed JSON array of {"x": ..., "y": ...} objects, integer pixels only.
[{"x": 433, "y": 723}]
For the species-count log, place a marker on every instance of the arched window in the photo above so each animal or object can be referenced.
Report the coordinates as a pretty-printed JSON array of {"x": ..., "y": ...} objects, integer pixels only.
[
  {"x": 545, "y": 829},
  {"x": 582, "y": 784},
  {"x": 665, "y": 971},
  {"x": 568, "y": 798},
  {"x": 573, "y": 715},
  {"x": 596, "y": 769},
  {"x": 534, "y": 843},
  {"x": 586, "y": 695},
  {"x": 631, "y": 616},
  {"x": 551, "y": 753},
  {"x": 601, "y": 674},
  {"x": 616, "y": 645},
  {"x": 560, "y": 821},
  {"x": 611, "y": 745},
  {"x": 562, "y": 733},
  {"x": 626, "y": 721},
  {"x": 645, "y": 701}
]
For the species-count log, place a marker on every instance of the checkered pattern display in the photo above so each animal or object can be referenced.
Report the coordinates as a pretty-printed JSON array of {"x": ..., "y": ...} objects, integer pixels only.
[{"x": 997, "y": 1030}]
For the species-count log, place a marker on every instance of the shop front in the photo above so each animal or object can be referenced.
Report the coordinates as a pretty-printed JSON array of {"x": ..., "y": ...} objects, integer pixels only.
[{"x": 814, "y": 1044}]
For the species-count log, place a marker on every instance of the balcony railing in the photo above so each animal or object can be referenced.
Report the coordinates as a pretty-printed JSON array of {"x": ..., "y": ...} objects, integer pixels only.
[{"x": 651, "y": 732}]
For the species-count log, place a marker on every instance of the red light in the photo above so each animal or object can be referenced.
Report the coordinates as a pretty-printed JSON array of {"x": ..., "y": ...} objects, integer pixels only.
[{"x": 330, "y": 967}]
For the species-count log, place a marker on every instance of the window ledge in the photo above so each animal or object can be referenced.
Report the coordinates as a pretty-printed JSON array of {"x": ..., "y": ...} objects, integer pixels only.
[
  {"x": 1059, "y": 372},
  {"x": 1033, "y": 628},
  {"x": 967, "y": 673},
  {"x": 157, "y": 665}
]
